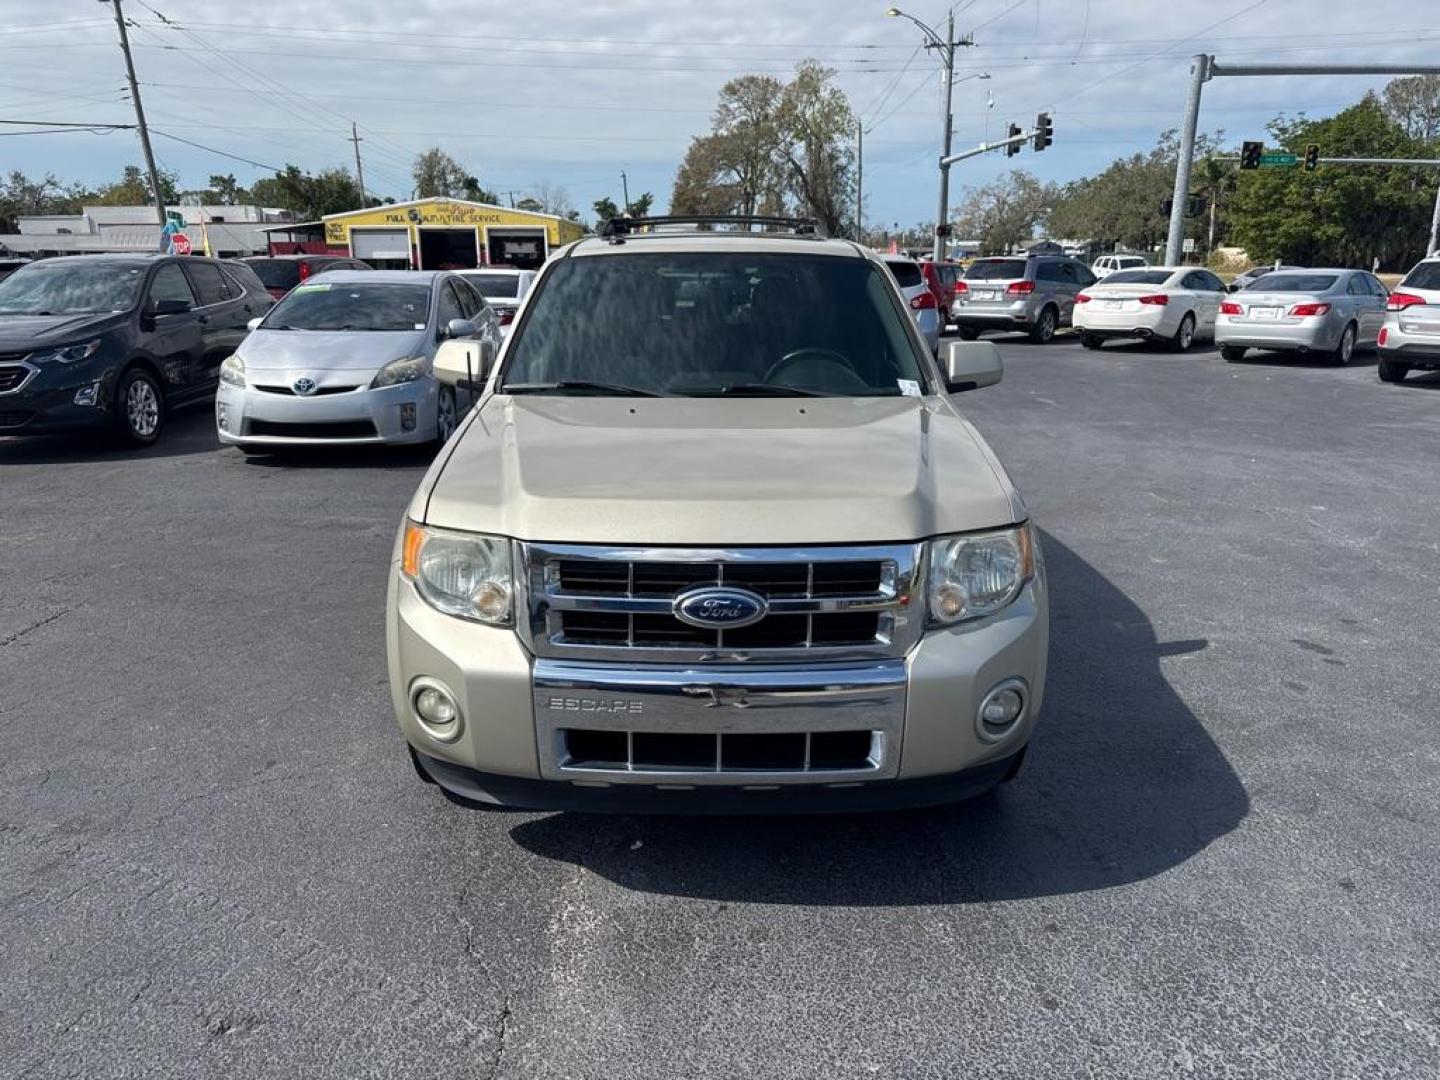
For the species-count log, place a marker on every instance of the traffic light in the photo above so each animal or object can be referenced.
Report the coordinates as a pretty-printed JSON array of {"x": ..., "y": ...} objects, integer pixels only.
[
  {"x": 1013, "y": 148},
  {"x": 1044, "y": 131},
  {"x": 1312, "y": 157},
  {"x": 1166, "y": 206},
  {"x": 1250, "y": 154},
  {"x": 1195, "y": 205}
]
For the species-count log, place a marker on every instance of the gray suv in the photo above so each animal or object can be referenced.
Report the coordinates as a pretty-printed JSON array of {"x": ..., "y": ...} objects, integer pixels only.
[{"x": 1034, "y": 293}]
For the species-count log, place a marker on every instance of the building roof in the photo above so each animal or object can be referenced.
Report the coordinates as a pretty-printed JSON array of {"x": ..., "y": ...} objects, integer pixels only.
[{"x": 445, "y": 200}]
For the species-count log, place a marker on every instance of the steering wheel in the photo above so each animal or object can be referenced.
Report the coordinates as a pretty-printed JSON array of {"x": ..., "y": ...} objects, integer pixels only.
[{"x": 828, "y": 356}]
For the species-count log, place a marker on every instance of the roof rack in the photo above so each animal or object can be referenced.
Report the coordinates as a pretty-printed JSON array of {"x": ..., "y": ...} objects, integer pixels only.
[{"x": 617, "y": 228}]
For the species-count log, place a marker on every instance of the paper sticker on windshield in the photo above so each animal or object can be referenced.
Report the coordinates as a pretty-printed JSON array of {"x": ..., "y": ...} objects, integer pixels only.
[
  {"x": 419, "y": 326},
  {"x": 318, "y": 287},
  {"x": 908, "y": 387}
]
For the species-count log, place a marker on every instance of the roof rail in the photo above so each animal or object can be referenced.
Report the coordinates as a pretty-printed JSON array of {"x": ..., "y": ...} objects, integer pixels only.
[{"x": 615, "y": 229}]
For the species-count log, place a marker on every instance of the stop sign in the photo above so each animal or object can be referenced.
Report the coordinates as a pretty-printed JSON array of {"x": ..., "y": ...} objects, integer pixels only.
[{"x": 180, "y": 243}]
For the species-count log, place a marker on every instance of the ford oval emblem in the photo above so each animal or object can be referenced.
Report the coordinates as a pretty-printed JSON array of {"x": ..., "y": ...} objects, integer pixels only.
[{"x": 718, "y": 607}]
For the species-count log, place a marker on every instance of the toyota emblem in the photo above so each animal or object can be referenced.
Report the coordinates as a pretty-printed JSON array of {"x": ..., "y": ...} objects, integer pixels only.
[{"x": 304, "y": 386}]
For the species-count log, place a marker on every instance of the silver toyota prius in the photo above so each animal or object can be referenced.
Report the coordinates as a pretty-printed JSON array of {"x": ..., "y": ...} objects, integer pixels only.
[
  {"x": 1329, "y": 313},
  {"x": 348, "y": 357}
]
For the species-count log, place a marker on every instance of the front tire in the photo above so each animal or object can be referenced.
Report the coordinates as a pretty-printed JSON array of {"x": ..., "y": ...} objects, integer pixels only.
[
  {"x": 969, "y": 333},
  {"x": 1091, "y": 341},
  {"x": 1393, "y": 370},
  {"x": 139, "y": 407},
  {"x": 446, "y": 416},
  {"x": 1346, "y": 348},
  {"x": 1044, "y": 328},
  {"x": 1232, "y": 354},
  {"x": 1185, "y": 335}
]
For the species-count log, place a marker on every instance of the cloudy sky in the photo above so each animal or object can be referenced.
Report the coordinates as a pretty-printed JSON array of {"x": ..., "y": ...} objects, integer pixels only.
[{"x": 573, "y": 93}]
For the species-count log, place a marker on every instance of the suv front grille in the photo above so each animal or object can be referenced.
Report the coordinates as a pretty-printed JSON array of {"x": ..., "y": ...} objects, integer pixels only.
[
  {"x": 589, "y": 601},
  {"x": 11, "y": 376}
]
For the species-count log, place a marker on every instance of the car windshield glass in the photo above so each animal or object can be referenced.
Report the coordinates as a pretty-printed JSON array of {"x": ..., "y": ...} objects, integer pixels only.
[
  {"x": 323, "y": 305},
  {"x": 276, "y": 273},
  {"x": 1312, "y": 283},
  {"x": 1138, "y": 277},
  {"x": 906, "y": 273},
  {"x": 496, "y": 286},
  {"x": 1424, "y": 276},
  {"x": 69, "y": 287},
  {"x": 996, "y": 270},
  {"x": 739, "y": 324}
]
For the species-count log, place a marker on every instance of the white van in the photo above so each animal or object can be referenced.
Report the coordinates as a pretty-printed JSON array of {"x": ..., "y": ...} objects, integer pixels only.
[{"x": 1106, "y": 265}]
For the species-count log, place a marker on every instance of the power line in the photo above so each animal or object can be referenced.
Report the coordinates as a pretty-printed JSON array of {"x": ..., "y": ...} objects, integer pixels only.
[{"x": 221, "y": 153}]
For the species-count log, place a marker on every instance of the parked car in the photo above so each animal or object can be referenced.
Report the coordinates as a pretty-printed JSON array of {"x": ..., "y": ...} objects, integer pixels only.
[
  {"x": 944, "y": 279},
  {"x": 1410, "y": 335},
  {"x": 1033, "y": 293},
  {"x": 8, "y": 266},
  {"x": 724, "y": 547},
  {"x": 117, "y": 341},
  {"x": 503, "y": 288},
  {"x": 1106, "y": 265},
  {"x": 346, "y": 358},
  {"x": 1176, "y": 305},
  {"x": 924, "y": 308},
  {"x": 281, "y": 273},
  {"x": 1254, "y": 274},
  {"x": 1330, "y": 312}
]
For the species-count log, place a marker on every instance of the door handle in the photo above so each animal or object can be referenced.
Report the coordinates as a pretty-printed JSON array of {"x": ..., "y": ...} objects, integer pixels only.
[{"x": 204, "y": 319}]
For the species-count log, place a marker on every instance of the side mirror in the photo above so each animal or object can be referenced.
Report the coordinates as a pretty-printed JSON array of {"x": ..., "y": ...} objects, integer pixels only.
[
  {"x": 465, "y": 365},
  {"x": 460, "y": 328},
  {"x": 254, "y": 324},
  {"x": 168, "y": 307},
  {"x": 969, "y": 365}
]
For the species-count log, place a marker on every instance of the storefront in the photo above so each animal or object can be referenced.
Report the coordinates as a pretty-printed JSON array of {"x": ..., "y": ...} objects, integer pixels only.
[{"x": 447, "y": 234}]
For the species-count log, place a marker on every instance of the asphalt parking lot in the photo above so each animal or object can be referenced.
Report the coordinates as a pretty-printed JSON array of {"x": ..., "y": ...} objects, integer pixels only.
[{"x": 216, "y": 861}]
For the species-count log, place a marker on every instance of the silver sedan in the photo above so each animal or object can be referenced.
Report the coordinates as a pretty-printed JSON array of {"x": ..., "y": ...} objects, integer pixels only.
[{"x": 1324, "y": 312}]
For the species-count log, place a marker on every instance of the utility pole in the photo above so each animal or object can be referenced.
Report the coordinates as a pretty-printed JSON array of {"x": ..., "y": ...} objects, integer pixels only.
[
  {"x": 625, "y": 187},
  {"x": 140, "y": 116},
  {"x": 860, "y": 184},
  {"x": 359, "y": 172}
]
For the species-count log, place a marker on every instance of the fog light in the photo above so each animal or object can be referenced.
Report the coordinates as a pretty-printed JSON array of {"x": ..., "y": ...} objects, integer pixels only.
[
  {"x": 86, "y": 395},
  {"x": 435, "y": 709},
  {"x": 1002, "y": 708},
  {"x": 407, "y": 417}
]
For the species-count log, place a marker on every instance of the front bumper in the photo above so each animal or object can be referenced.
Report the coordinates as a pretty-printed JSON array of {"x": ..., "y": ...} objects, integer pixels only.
[
  {"x": 516, "y": 712},
  {"x": 246, "y": 416},
  {"x": 992, "y": 316},
  {"x": 1315, "y": 333},
  {"x": 39, "y": 408}
]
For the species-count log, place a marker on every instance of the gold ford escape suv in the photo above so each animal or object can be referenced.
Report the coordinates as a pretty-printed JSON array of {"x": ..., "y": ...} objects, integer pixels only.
[{"x": 716, "y": 538}]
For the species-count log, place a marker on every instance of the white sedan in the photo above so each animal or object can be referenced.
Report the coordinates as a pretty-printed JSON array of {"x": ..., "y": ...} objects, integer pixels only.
[{"x": 1170, "y": 304}]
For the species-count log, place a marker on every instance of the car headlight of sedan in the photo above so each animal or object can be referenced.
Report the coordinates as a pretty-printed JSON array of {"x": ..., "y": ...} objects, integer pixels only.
[
  {"x": 67, "y": 354},
  {"x": 232, "y": 371},
  {"x": 462, "y": 574},
  {"x": 406, "y": 369},
  {"x": 976, "y": 575}
]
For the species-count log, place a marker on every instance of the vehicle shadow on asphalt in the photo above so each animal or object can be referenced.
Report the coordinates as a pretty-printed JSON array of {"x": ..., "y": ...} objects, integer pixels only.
[
  {"x": 365, "y": 456},
  {"x": 189, "y": 430},
  {"x": 1362, "y": 358},
  {"x": 1123, "y": 783}
]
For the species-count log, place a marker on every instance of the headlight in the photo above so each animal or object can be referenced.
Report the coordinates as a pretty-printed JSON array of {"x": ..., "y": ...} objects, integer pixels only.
[
  {"x": 461, "y": 574},
  {"x": 974, "y": 576},
  {"x": 67, "y": 354},
  {"x": 406, "y": 369},
  {"x": 232, "y": 371}
]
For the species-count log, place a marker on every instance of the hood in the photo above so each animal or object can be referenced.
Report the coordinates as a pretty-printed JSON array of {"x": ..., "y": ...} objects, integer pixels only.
[
  {"x": 325, "y": 350},
  {"x": 28, "y": 332},
  {"x": 733, "y": 471}
]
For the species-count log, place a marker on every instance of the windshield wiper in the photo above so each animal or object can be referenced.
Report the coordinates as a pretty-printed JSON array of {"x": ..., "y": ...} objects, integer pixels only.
[
  {"x": 754, "y": 389},
  {"x": 577, "y": 386}
]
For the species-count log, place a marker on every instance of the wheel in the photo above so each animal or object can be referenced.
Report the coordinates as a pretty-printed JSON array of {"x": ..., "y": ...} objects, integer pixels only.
[
  {"x": 1185, "y": 335},
  {"x": 969, "y": 333},
  {"x": 139, "y": 407},
  {"x": 1044, "y": 328},
  {"x": 1346, "y": 349},
  {"x": 1091, "y": 341},
  {"x": 445, "y": 415},
  {"x": 1232, "y": 353},
  {"x": 1393, "y": 370}
]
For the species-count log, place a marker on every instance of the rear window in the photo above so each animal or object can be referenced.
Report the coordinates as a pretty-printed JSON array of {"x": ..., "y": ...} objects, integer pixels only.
[
  {"x": 1138, "y": 277},
  {"x": 906, "y": 273},
  {"x": 496, "y": 286},
  {"x": 1132, "y": 260},
  {"x": 996, "y": 270},
  {"x": 1424, "y": 276},
  {"x": 276, "y": 273},
  {"x": 1312, "y": 283}
]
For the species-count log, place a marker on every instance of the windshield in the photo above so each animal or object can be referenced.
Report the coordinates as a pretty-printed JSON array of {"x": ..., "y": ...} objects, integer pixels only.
[
  {"x": 996, "y": 270},
  {"x": 496, "y": 286},
  {"x": 1138, "y": 277},
  {"x": 1312, "y": 283},
  {"x": 715, "y": 323},
  {"x": 324, "y": 305},
  {"x": 68, "y": 287},
  {"x": 276, "y": 273}
]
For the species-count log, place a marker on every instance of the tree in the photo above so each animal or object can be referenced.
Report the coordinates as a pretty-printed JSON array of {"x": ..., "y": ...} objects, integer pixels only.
[
  {"x": 534, "y": 206},
  {"x": 605, "y": 208},
  {"x": 436, "y": 173},
  {"x": 1003, "y": 213},
  {"x": 331, "y": 191},
  {"x": 228, "y": 191},
  {"x": 553, "y": 199},
  {"x": 133, "y": 189},
  {"x": 1337, "y": 215},
  {"x": 1414, "y": 104},
  {"x": 20, "y": 196}
]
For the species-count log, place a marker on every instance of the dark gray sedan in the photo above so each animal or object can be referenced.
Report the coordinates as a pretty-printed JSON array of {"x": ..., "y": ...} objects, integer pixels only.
[{"x": 1326, "y": 312}]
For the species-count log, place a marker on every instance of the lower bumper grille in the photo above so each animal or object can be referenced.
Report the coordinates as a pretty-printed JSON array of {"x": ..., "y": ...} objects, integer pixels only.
[
  {"x": 15, "y": 418},
  {"x": 721, "y": 752},
  {"x": 335, "y": 429}
]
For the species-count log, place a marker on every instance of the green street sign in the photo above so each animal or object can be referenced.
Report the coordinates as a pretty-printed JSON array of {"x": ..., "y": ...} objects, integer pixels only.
[{"x": 1279, "y": 161}]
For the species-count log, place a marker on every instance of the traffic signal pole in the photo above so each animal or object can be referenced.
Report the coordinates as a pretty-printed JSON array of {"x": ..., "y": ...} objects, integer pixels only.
[
  {"x": 1203, "y": 68},
  {"x": 986, "y": 147}
]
